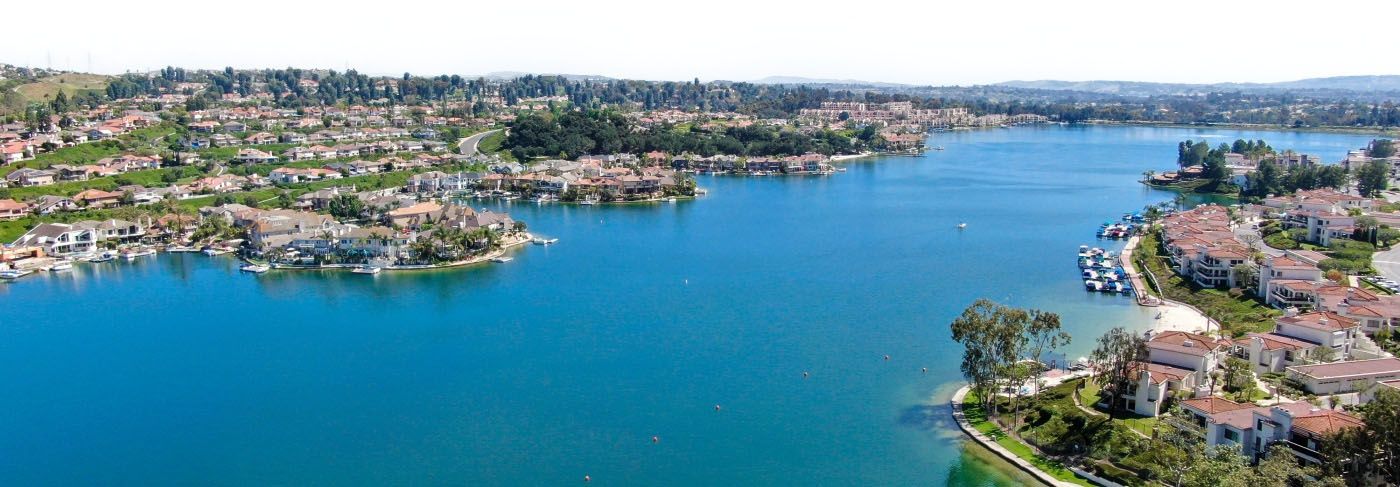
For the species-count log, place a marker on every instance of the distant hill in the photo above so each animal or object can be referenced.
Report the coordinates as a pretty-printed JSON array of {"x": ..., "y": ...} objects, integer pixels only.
[
  {"x": 1359, "y": 84},
  {"x": 798, "y": 80},
  {"x": 507, "y": 75}
]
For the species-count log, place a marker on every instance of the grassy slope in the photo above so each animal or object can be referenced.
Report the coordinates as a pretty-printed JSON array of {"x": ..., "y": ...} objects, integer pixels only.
[
  {"x": 972, "y": 410},
  {"x": 1238, "y": 315},
  {"x": 71, "y": 83}
]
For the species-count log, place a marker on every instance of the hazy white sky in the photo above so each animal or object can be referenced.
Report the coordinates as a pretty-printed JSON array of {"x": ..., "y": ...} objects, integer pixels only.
[{"x": 919, "y": 41}]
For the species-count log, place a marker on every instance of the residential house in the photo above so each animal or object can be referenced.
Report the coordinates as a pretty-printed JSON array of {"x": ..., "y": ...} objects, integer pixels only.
[
  {"x": 27, "y": 177},
  {"x": 1255, "y": 429},
  {"x": 13, "y": 210},
  {"x": 254, "y": 156},
  {"x": 1346, "y": 376}
]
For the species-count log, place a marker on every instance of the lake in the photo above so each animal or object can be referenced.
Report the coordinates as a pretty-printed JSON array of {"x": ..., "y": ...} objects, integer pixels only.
[{"x": 180, "y": 370}]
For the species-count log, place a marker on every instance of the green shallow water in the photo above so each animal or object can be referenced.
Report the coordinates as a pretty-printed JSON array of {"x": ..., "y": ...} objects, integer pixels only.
[{"x": 566, "y": 361}]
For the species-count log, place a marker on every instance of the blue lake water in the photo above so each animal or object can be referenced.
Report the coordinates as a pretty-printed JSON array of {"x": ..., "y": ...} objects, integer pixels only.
[{"x": 568, "y": 360}]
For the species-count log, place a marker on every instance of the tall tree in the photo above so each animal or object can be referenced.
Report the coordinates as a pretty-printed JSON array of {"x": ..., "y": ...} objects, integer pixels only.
[
  {"x": 1117, "y": 358},
  {"x": 1372, "y": 178}
]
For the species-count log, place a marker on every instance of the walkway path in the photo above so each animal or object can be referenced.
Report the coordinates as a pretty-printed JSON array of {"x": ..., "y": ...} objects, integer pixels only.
[
  {"x": 992, "y": 445},
  {"x": 1172, "y": 315}
]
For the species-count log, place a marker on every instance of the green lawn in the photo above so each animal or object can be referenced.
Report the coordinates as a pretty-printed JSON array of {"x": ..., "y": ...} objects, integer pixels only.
[
  {"x": 978, "y": 419},
  {"x": 492, "y": 145},
  {"x": 1143, "y": 425},
  {"x": 1238, "y": 315}
]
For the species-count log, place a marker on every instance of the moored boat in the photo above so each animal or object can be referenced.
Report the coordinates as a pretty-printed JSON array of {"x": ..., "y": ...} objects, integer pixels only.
[
  {"x": 255, "y": 268},
  {"x": 367, "y": 269},
  {"x": 60, "y": 266},
  {"x": 501, "y": 259},
  {"x": 12, "y": 274}
]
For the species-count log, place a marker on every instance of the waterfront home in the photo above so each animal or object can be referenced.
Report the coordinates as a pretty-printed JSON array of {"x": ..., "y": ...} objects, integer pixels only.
[
  {"x": 1214, "y": 265},
  {"x": 415, "y": 215},
  {"x": 376, "y": 242},
  {"x": 1299, "y": 425},
  {"x": 13, "y": 210},
  {"x": 277, "y": 223},
  {"x": 114, "y": 230},
  {"x": 1176, "y": 361},
  {"x": 1344, "y": 377},
  {"x": 1272, "y": 352},
  {"x": 1154, "y": 386},
  {"x": 59, "y": 239}
]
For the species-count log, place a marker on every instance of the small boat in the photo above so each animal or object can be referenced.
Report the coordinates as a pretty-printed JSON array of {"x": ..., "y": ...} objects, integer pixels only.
[
  {"x": 210, "y": 252},
  {"x": 368, "y": 269},
  {"x": 588, "y": 202},
  {"x": 543, "y": 241},
  {"x": 1092, "y": 285},
  {"x": 937, "y": 147},
  {"x": 138, "y": 253},
  {"x": 962, "y": 226},
  {"x": 671, "y": 199},
  {"x": 12, "y": 274},
  {"x": 60, "y": 266},
  {"x": 104, "y": 257},
  {"x": 255, "y": 268},
  {"x": 502, "y": 259}
]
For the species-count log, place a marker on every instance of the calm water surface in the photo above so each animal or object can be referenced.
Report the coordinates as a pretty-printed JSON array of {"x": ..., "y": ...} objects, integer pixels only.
[{"x": 565, "y": 362}]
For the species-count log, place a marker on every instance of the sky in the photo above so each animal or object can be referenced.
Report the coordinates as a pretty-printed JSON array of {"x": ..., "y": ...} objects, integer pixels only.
[{"x": 915, "y": 41}]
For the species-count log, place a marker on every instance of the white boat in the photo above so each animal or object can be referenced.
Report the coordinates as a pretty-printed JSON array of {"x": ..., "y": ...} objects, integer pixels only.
[
  {"x": 255, "y": 268},
  {"x": 138, "y": 253},
  {"x": 61, "y": 266},
  {"x": 103, "y": 257},
  {"x": 962, "y": 226},
  {"x": 502, "y": 259},
  {"x": 12, "y": 274},
  {"x": 210, "y": 252},
  {"x": 671, "y": 199},
  {"x": 368, "y": 269},
  {"x": 543, "y": 241},
  {"x": 588, "y": 202}
]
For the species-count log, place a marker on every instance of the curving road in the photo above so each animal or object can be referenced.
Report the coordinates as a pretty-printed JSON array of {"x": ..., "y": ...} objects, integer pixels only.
[{"x": 468, "y": 145}]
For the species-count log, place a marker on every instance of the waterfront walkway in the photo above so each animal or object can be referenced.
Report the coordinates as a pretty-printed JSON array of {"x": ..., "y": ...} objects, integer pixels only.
[
  {"x": 992, "y": 445},
  {"x": 1172, "y": 315},
  {"x": 1135, "y": 278}
]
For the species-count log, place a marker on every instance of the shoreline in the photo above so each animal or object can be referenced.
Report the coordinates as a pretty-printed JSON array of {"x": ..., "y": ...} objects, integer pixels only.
[
  {"x": 1171, "y": 315},
  {"x": 992, "y": 446},
  {"x": 483, "y": 258},
  {"x": 1246, "y": 126}
]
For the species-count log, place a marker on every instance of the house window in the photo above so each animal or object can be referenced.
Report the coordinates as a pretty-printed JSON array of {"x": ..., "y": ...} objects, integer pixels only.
[
  {"x": 1288, "y": 355},
  {"x": 1232, "y": 435}
]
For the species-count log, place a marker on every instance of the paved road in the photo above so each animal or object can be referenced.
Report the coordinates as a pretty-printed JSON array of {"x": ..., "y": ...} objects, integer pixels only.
[
  {"x": 468, "y": 145},
  {"x": 1387, "y": 262}
]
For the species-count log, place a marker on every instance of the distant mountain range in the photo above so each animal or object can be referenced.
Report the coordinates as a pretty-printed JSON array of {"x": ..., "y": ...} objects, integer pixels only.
[
  {"x": 798, "y": 80},
  {"x": 1361, "y": 84}
]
